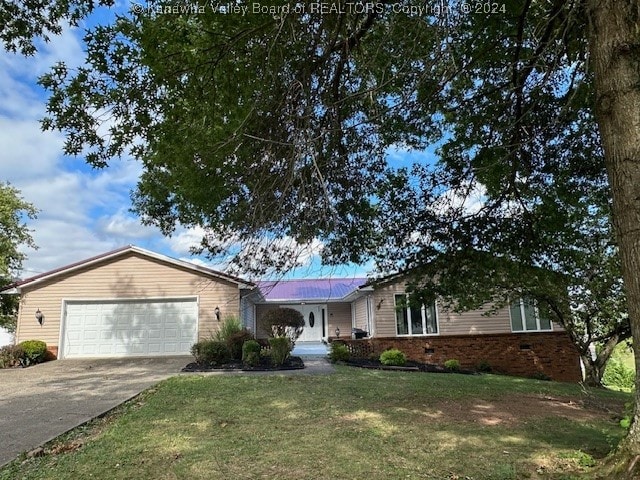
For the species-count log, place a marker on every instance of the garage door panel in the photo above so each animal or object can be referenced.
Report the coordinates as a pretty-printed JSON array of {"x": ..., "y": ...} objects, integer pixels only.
[
  {"x": 171, "y": 347},
  {"x": 122, "y": 328}
]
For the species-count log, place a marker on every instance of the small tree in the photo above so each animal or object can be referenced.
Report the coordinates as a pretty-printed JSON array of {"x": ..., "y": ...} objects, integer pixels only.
[
  {"x": 14, "y": 234},
  {"x": 284, "y": 322}
]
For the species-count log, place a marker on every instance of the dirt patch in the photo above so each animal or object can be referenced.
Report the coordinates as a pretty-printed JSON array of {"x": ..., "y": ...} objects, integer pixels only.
[{"x": 512, "y": 410}]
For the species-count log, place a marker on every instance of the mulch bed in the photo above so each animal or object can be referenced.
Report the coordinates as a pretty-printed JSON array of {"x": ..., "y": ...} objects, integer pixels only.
[
  {"x": 292, "y": 363},
  {"x": 408, "y": 367}
]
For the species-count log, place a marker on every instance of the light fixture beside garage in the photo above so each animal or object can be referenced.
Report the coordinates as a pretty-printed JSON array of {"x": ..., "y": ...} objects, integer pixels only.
[
  {"x": 39, "y": 316},
  {"x": 217, "y": 313}
]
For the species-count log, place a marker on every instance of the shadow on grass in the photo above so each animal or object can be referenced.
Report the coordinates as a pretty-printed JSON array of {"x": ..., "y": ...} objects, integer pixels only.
[{"x": 374, "y": 425}]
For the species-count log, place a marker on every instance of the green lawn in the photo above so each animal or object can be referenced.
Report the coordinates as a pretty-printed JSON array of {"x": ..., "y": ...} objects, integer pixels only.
[{"x": 355, "y": 424}]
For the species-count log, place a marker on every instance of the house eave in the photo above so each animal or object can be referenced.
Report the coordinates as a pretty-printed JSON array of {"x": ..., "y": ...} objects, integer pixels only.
[{"x": 242, "y": 284}]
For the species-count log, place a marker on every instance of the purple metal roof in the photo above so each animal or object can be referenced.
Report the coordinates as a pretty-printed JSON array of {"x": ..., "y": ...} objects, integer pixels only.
[{"x": 325, "y": 289}]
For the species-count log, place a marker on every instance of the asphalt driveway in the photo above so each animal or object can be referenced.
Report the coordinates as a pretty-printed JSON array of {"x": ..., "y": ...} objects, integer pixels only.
[{"x": 41, "y": 402}]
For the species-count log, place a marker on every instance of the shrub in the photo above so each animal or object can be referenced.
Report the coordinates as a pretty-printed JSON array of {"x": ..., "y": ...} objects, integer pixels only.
[
  {"x": 627, "y": 415},
  {"x": 339, "y": 352},
  {"x": 210, "y": 352},
  {"x": 283, "y": 322},
  {"x": 280, "y": 349},
  {"x": 10, "y": 356},
  {"x": 235, "y": 342},
  {"x": 452, "y": 365},
  {"x": 227, "y": 329},
  {"x": 484, "y": 366},
  {"x": 35, "y": 351},
  {"x": 251, "y": 353},
  {"x": 393, "y": 357},
  {"x": 541, "y": 376},
  {"x": 618, "y": 376}
]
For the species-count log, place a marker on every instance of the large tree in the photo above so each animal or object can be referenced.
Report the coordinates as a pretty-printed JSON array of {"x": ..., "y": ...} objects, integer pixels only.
[
  {"x": 560, "y": 256},
  {"x": 279, "y": 123},
  {"x": 14, "y": 234}
]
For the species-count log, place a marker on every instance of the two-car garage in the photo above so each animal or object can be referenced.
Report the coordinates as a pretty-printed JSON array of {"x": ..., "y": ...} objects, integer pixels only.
[
  {"x": 140, "y": 327},
  {"x": 127, "y": 302}
]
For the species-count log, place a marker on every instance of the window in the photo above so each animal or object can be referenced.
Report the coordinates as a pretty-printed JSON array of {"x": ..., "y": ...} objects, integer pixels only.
[
  {"x": 414, "y": 319},
  {"x": 525, "y": 317}
]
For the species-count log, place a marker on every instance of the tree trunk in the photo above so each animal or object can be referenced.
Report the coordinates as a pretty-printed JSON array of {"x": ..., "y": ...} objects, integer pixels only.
[
  {"x": 592, "y": 372},
  {"x": 614, "y": 42},
  {"x": 594, "y": 367}
]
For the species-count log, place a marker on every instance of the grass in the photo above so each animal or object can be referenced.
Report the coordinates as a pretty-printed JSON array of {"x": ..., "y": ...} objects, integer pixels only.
[
  {"x": 350, "y": 425},
  {"x": 624, "y": 354}
]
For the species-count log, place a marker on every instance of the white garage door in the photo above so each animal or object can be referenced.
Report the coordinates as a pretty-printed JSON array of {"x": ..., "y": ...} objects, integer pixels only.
[{"x": 127, "y": 328}]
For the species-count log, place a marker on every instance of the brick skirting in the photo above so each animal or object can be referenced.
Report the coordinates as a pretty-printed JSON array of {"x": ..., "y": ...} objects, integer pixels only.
[
  {"x": 526, "y": 355},
  {"x": 53, "y": 352}
]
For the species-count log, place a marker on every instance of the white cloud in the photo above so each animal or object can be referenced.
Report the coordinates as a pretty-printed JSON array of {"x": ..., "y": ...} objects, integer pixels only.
[
  {"x": 249, "y": 256},
  {"x": 27, "y": 152},
  {"x": 122, "y": 225},
  {"x": 61, "y": 243},
  {"x": 85, "y": 212},
  {"x": 184, "y": 239},
  {"x": 468, "y": 199}
]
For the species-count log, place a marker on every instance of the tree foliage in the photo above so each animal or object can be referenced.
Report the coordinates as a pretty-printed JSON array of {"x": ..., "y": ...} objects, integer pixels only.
[
  {"x": 283, "y": 322},
  {"x": 279, "y": 124},
  {"x": 14, "y": 234},
  {"x": 23, "y": 21}
]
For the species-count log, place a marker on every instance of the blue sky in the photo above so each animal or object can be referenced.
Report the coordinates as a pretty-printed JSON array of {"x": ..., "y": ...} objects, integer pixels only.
[{"x": 83, "y": 211}]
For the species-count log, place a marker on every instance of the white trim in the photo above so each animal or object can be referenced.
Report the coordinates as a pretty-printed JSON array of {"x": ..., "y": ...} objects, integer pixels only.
[
  {"x": 289, "y": 301},
  {"x": 423, "y": 309},
  {"x": 324, "y": 313},
  {"x": 129, "y": 299},
  {"x": 357, "y": 293},
  {"x": 66, "y": 301},
  {"x": 255, "y": 320},
  {"x": 353, "y": 315},
  {"x": 524, "y": 321},
  {"x": 369, "y": 306}
]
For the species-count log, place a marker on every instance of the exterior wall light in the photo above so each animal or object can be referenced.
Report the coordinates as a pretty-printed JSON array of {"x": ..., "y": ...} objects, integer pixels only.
[
  {"x": 216, "y": 312},
  {"x": 338, "y": 332},
  {"x": 39, "y": 316}
]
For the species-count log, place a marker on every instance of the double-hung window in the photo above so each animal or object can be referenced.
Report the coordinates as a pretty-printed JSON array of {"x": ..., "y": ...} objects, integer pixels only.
[
  {"x": 415, "y": 319},
  {"x": 525, "y": 317}
]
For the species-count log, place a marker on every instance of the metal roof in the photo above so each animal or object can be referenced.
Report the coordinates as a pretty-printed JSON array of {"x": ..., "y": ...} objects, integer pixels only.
[{"x": 323, "y": 289}]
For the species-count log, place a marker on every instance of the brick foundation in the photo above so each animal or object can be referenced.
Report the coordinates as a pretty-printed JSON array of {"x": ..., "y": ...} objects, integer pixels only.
[
  {"x": 526, "y": 355},
  {"x": 52, "y": 352}
]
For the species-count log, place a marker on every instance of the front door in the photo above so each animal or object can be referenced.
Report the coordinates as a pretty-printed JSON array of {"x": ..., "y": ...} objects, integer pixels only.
[{"x": 313, "y": 320}]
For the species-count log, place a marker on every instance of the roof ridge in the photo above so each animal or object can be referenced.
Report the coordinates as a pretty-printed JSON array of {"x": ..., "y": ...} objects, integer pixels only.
[{"x": 120, "y": 250}]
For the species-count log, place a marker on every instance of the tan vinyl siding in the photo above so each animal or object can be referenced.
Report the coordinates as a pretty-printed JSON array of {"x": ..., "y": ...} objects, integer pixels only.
[
  {"x": 339, "y": 317},
  {"x": 129, "y": 276},
  {"x": 450, "y": 323},
  {"x": 360, "y": 308},
  {"x": 384, "y": 310},
  {"x": 474, "y": 322}
]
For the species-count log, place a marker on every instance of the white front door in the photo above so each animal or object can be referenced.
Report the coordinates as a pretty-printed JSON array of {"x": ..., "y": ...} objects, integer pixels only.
[{"x": 314, "y": 322}]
